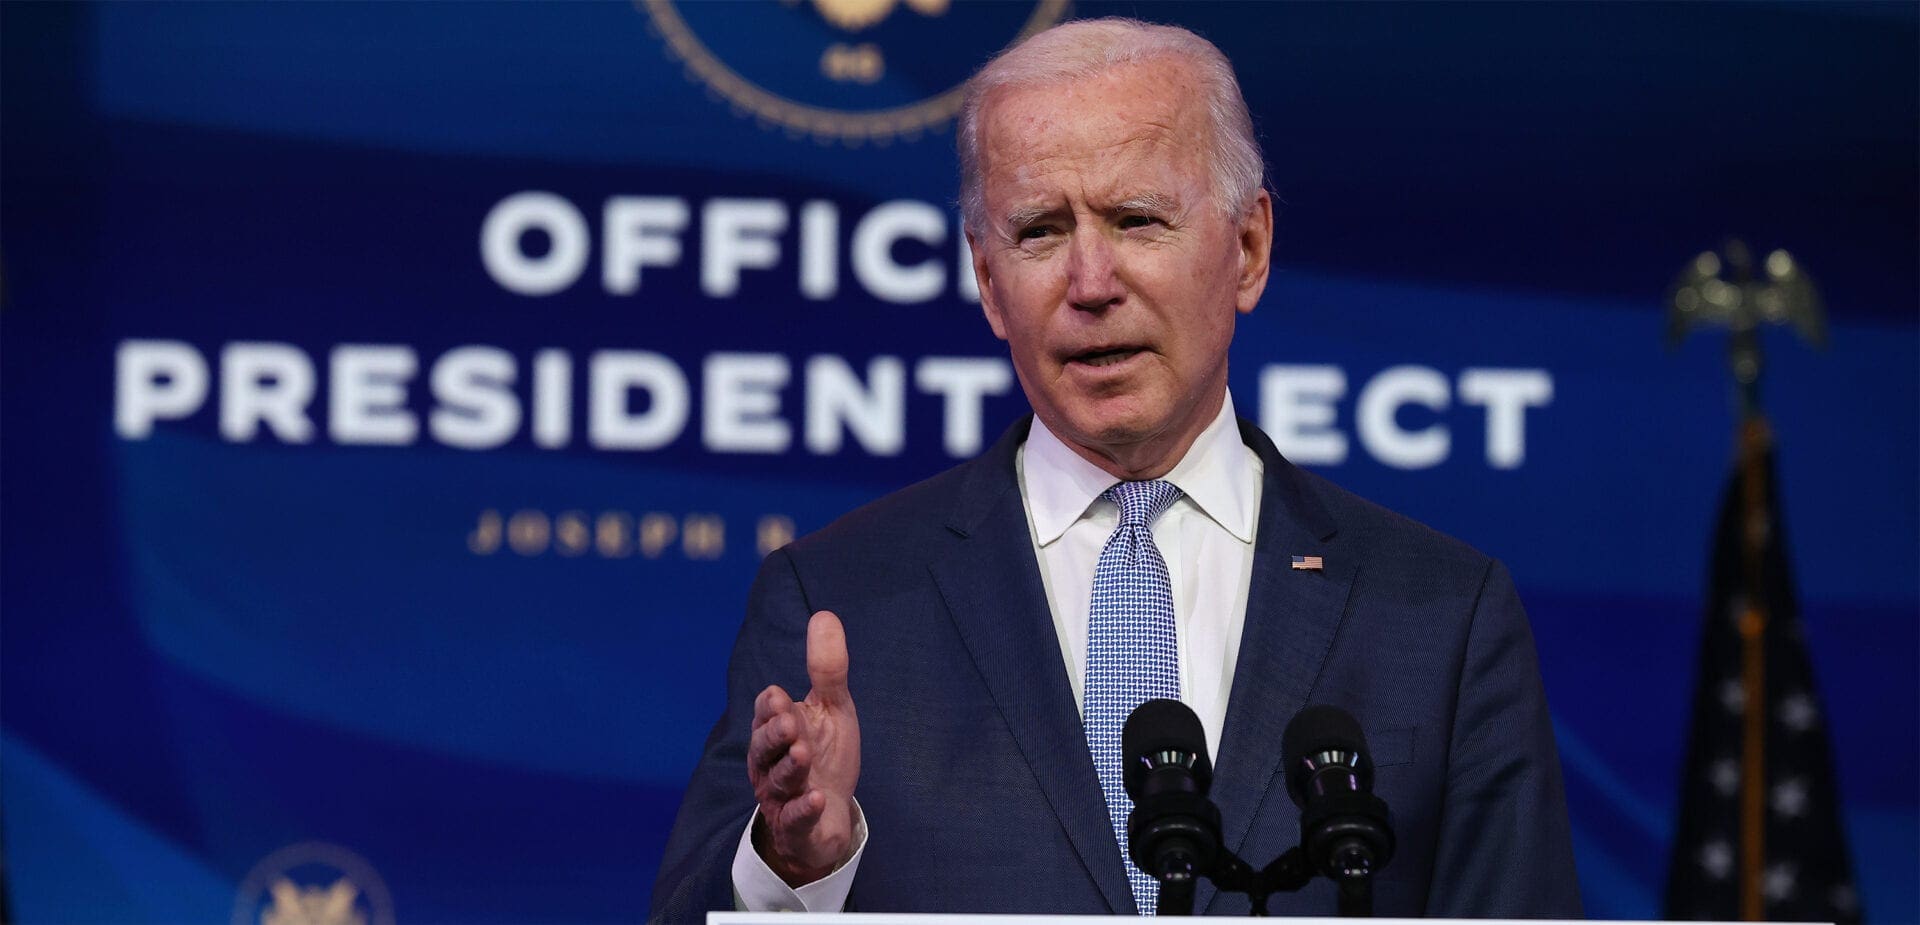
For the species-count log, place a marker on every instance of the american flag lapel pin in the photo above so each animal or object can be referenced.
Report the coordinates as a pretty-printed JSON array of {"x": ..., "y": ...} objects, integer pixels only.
[{"x": 1307, "y": 563}]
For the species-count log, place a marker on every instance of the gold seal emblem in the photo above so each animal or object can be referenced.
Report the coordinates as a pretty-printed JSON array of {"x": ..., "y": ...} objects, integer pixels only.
[
  {"x": 313, "y": 883},
  {"x": 854, "y": 15},
  {"x": 847, "y": 70}
]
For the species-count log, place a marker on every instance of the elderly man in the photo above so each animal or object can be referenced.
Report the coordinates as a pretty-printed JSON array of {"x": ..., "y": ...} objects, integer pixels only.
[{"x": 1130, "y": 540}]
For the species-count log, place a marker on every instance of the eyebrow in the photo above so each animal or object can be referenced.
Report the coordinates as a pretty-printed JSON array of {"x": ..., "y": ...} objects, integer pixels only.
[
  {"x": 1152, "y": 203},
  {"x": 1147, "y": 202},
  {"x": 1020, "y": 218}
]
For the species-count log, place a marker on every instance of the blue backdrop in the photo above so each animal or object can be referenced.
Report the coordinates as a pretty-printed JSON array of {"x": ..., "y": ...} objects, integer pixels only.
[{"x": 397, "y": 399}]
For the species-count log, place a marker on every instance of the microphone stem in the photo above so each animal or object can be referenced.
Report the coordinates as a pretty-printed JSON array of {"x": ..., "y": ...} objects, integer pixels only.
[
  {"x": 1176, "y": 887},
  {"x": 1356, "y": 896}
]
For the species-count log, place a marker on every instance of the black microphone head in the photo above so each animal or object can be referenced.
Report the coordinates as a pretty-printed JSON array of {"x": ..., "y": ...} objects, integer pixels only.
[
  {"x": 1160, "y": 733},
  {"x": 1320, "y": 736}
]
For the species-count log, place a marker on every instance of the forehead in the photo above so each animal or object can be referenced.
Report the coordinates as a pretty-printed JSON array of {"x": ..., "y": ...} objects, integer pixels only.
[{"x": 1138, "y": 123}]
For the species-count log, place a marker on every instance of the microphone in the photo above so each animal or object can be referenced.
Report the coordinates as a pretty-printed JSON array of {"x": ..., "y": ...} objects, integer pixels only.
[
  {"x": 1344, "y": 828},
  {"x": 1174, "y": 831}
]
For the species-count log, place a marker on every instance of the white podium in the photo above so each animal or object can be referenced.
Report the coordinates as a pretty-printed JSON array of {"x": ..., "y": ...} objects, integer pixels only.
[{"x": 881, "y": 918}]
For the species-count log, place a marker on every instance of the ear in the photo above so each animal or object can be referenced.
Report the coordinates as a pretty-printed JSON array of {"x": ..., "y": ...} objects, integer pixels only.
[
  {"x": 1256, "y": 251},
  {"x": 983, "y": 280}
]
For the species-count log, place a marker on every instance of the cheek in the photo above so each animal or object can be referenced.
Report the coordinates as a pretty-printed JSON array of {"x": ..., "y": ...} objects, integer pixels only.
[
  {"x": 1170, "y": 274},
  {"x": 1203, "y": 325},
  {"x": 1025, "y": 293}
]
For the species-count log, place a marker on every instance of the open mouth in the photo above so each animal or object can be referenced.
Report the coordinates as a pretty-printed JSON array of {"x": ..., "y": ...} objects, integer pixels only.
[{"x": 1105, "y": 357}]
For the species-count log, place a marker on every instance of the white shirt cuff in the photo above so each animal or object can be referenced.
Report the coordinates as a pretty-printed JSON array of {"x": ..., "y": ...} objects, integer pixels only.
[{"x": 756, "y": 888}]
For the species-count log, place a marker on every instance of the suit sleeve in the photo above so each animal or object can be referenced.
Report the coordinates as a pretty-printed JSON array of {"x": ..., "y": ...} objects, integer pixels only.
[
  {"x": 696, "y": 869},
  {"x": 1505, "y": 849}
]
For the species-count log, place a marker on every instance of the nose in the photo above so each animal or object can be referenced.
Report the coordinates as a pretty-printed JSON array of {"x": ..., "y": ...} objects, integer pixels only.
[{"x": 1093, "y": 280}]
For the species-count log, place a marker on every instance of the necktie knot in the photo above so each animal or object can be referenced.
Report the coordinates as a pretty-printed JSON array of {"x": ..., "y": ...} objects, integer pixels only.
[{"x": 1141, "y": 503}]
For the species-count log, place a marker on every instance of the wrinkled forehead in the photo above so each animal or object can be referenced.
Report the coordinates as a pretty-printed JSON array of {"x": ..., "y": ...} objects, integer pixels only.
[{"x": 1135, "y": 120}]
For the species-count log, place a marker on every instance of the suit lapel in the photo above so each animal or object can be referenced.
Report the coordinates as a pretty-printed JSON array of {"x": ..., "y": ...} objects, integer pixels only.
[
  {"x": 991, "y": 585},
  {"x": 1291, "y": 618}
]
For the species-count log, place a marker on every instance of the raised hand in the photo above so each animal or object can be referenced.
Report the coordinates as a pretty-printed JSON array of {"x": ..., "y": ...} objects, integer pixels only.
[{"x": 803, "y": 761}]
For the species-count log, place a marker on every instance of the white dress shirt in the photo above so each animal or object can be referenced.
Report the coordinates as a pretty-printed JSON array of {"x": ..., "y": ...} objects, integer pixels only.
[{"x": 1206, "y": 538}]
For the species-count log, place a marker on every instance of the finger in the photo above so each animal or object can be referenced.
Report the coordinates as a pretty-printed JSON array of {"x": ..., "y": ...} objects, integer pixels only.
[
  {"x": 770, "y": 742},
  {"x": 799, "y": 816},
  {"x": 772, "y": 702},
  {"x": 788, "y": 777},
  {"x": 827, "y": 659}
]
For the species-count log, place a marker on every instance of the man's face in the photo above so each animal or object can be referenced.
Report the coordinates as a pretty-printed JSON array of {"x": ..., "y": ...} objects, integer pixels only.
[{"x": 1107, "y": 264}]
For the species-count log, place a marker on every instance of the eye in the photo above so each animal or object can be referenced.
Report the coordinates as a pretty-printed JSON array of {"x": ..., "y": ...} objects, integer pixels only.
[
  {"x": 1136, "y": 221},
  {"x": 1034, "y": 232}
]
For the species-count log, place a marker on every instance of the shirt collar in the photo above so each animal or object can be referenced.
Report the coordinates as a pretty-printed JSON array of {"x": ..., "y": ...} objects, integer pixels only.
[{"x": 1215, "y": 474}]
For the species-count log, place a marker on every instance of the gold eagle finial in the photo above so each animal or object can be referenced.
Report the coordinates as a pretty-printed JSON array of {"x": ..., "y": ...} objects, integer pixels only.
[{"x": 296, "y": 905}]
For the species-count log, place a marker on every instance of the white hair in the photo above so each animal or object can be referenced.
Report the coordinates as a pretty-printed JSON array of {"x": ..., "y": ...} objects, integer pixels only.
[{"x": 1090, "y": 47}]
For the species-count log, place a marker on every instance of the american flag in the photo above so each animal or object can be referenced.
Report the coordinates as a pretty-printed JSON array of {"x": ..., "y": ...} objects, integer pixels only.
[
  {"x": 1307, "y": 563},
  {"x": 1759, "y": 832}
]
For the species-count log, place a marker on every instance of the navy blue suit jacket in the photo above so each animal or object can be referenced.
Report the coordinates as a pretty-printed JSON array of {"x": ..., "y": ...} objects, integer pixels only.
[{"x": 976, "y": 781}]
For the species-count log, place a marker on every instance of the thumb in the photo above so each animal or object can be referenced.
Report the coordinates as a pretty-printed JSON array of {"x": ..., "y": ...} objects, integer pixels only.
[{"x": 827, "y": 658}]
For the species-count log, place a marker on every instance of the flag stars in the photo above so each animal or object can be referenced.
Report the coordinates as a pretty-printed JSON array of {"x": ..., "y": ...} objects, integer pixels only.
[
  {"x": 1789, "y": 798},
  {"x": 1777, "y": 884},
  {"x": 1758, "y": 821},
  {"x": 1733, "y": 696},
  {"x": 1716, "y": 858},
  {"x": 1797, "y": 712},
  {"x": 1724, "y": 775}
]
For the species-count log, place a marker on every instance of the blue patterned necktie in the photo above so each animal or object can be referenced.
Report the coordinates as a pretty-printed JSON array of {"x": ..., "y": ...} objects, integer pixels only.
[{"x": 1132, "y": 656}]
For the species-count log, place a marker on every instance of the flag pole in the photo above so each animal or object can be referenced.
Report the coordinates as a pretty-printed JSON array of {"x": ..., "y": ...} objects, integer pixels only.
[
  {"x": 1754, "y": 442},
  {"x": 1754, "y": 446}
]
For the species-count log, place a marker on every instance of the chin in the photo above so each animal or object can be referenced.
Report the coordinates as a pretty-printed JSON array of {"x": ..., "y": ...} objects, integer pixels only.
[{"x": 1116, "y": 430}]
